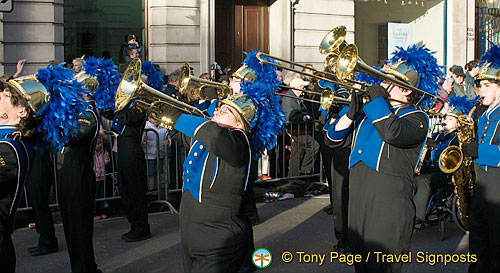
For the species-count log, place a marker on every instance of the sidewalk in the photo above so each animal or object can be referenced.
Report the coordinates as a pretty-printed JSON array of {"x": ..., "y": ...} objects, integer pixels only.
[{"x": 291, "y": 225}]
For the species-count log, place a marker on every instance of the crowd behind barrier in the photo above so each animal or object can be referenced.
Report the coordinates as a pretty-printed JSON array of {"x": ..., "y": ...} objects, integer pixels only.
[{"x": 274, "y": 166}]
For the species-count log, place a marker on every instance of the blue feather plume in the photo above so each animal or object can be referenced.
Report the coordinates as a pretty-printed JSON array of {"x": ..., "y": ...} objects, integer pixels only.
[
  {"x": 59, "y": 117},
  {"x": 155, "y": 79},
  {"x": 461, "y": 103},
  {"x": 270, "y": 116},
  {"x": 368, "y": 79},
  {"x": 421, "y": 59},
  {"x": 491, "y": 56},
  {"x": 105, "y": 71}
]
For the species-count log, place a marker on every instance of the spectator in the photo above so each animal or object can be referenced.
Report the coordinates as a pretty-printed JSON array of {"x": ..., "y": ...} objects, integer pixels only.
[
  {"x": 19, "y": 68},
  {"x": 151, "y": 148},
  {"x": 172, "y": 88},
  {"x": 77, "y": 64},
  {"x": 235, "y": 84},
  {"x": 308, "y": 69},
  {"x": 101, "y": 159},
  {"x": 205, "y": 76},
  {"x": 131, "y": 42},
  {"x": 456, "y": 85},
  {"x": 304, "y": 146}
]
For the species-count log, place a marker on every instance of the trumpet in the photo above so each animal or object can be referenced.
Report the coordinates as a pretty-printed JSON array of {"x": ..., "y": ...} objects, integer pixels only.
[
  {"x": 326, "y": 100},
  {"x": 223, "y": 90},
  {"x": 133, "y": 87}
]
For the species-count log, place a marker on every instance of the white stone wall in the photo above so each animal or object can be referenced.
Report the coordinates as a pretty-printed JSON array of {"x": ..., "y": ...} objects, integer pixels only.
[
  {"x": 313, "y": 20},
  {"x": 174, "y": 33},
  {"x": 33, "y": 31}
]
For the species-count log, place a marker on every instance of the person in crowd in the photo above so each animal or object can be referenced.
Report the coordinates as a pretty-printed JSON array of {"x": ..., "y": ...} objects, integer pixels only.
[
  {"x": 216, "y": 173},
  {"x": 101, "y": 160},
  {"x": 155, "y": 152},
  {"x": 77, "y": 191},
  {"x": 431, "y": 177},
  {"x": 17, "y": 135},
  {"x": 308, "y": 68},
  {"x": 19, "y": 68},
  {"x": 130, "y": 43},
  {"x": 172, "y": 88},
  {"x": 304, "y": 147},
  {"x": 38, "y": 186},
  {"x": 389, "y": 133},
  {"x": 484, "y": 219},
  {"x": 132, "y": 179},
  {"x": 456, "y": 85},
  {"x": 77, "y": 64}
]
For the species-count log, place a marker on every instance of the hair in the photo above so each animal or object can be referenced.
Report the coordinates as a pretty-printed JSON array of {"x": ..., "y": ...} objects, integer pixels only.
[
  {"x": 27, "y": 125},
  {"x": 470, "y": 65},
  {"x": 204, "y": 75},
  {"x": 131, "y": 36},
  {"x": 77, "y": 60},
  {"x": 130, "y": 50},
  {"x": 174, "y": 76}
]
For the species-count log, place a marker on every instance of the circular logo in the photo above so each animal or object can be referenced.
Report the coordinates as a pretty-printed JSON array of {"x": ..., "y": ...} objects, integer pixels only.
[{"x": 262, "y": 258}]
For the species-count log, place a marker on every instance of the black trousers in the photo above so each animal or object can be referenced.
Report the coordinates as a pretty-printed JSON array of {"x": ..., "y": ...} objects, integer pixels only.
[
  {"x": 38, "y": 185},
  {"x": 340, "y": 190},
  {"x": 381, "y": 213},
  {"x": 426, "y": 184},
  {"x": 77, "y": 200},
  {"x": 132, "y": 182},
  {"x": 484, "y": 221},
  {"x": 213, "y": 239},
  {"x": 7, "y": 253}
]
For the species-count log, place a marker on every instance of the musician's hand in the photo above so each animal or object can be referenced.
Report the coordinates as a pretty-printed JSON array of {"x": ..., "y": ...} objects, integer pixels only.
[
  {"x": 307, "y": 118},
  {"x": 431, "y": 143},
  {"x": 470, "y": 149},
  {"x": 356, "y": 107},
  {"x": 376, "y": 91}
]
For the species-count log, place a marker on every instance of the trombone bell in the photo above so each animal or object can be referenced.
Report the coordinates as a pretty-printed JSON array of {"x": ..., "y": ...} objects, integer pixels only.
[{"x": 186, "y": 79}]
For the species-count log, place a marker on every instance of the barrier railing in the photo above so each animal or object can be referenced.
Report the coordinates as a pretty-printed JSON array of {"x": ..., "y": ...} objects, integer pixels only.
[{"x": 295, "y": 156}]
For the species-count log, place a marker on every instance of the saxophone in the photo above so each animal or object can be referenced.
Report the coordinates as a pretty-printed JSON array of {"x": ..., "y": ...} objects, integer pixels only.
[{"x": 452, "y": 160}]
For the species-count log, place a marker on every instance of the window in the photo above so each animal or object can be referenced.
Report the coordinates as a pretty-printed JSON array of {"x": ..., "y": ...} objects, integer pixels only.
[{"x": 99, "y": 27}]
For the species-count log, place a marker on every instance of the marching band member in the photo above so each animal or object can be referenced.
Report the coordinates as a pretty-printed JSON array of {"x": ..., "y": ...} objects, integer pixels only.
[
  {"x": 17, "y": 124},
  {"x": 388, "y": 137},
  {"x": 53, "y": 96},
  {"x": 484, "y": 219},
  {"x": 215, "y": 234},
  {"x": 431, "y": 176}
]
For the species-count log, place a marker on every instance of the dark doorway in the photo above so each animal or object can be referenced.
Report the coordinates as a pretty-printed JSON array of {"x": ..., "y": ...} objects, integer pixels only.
[{"x": 238, "y": 29}]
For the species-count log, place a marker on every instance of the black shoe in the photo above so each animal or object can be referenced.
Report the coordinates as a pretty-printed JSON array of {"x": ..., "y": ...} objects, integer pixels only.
[
  {"x": 329, "y": 211},
  {"x": 327, "y": 208},
  {"x": 256, "y": 221},
  {"x": 137, "y": 236},
  {"x": 341, "y": 246},
  {"x": 32, "y": 248},
  {"x": 419, "y": 224},
  {"x": 40, "y": 250}
]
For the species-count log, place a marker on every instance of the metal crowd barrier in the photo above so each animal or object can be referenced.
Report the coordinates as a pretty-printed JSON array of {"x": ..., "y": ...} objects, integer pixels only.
[
  {"x": 285, "y": 162},
  {"x": 111, "y": 189}
]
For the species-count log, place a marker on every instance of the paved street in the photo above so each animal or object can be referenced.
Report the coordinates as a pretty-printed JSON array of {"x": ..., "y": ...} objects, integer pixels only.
[{"x": 291, "y": 225}]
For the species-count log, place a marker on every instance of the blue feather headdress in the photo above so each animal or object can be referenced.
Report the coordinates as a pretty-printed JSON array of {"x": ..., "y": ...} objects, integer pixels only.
[
  {"x": 421, "y": 60},
  {"x": 269, "y": 118},
  {"x": 460, "y": 105},
  {"x": 105, "y": 72},
  {"x": 58, "y": 119},
  {"x": 368, "y": 79},
  {"x": 155, "y": 79},
  {"x": 490, "y": 64}
]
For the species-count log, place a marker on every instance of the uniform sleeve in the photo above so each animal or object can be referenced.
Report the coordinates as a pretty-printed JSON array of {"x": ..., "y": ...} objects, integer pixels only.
[
  {"x": 130, "y": 116},
  {"x": 404, "y": 132},
  {"x": 229, "y": 145},
  {"x": 337, "y": 137},
  {"x": 108, "y": 114},
  {"x": 8, "y": 165},
  {"x": 86, "y": 126}
]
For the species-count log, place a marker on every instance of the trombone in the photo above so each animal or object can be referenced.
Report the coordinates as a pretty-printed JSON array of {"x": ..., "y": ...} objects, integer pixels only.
[
  {"x": 332, "y": 44},
  {"x": 348, "y": 62},
  {"x": 133, "y": 87}
]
